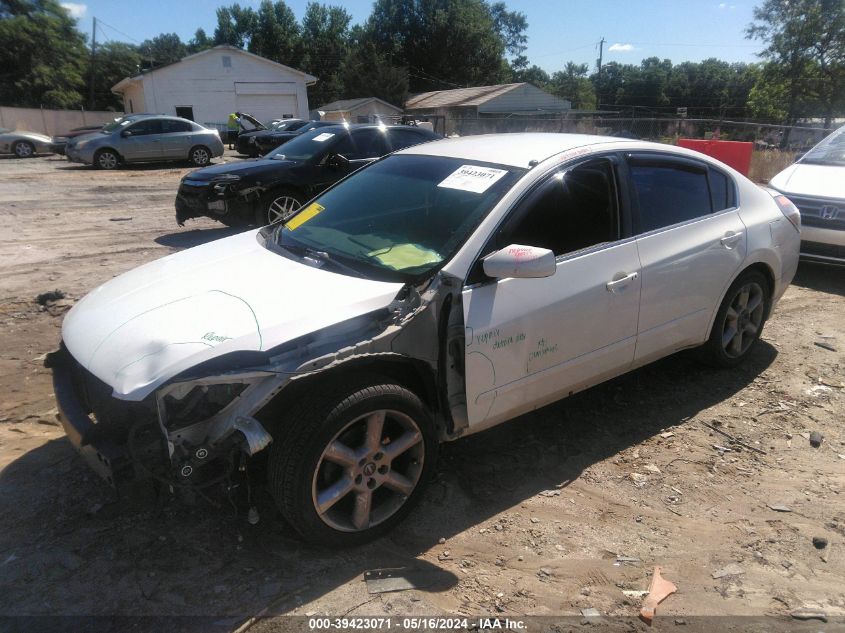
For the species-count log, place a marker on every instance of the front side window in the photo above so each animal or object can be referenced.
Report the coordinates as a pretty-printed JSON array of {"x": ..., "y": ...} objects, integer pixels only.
[
  {"x": 146, "y": 127},
  {"x": 400, "y": 218},
  {"x": 669, "y": 192},
  {"x": 573, "y": 210}
]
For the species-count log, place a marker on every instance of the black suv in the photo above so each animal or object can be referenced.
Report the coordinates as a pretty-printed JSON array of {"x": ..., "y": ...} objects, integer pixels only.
[{"x": 268, "y": 190}]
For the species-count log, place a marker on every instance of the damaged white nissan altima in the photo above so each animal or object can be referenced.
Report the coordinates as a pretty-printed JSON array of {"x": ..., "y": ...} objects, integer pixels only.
[{"x": 437, "y": 292}]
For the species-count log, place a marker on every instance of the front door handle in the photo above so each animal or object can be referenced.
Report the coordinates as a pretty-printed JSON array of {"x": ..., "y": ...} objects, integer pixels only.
[
  {"x": 621, "y": 282},
  {"x": 730, "y": 240}
]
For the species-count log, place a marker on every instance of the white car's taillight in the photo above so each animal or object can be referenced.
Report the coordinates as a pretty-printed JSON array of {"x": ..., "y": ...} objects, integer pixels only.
[{"x": 786, "y": 206}]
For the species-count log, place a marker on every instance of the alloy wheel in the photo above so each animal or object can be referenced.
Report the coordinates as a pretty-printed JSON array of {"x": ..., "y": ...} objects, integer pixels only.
[
  {"x": 200, "y": 156},
  {"x": 368, "y": 471},
  {"x": 107, "y": 160},
  {"x": 281, "y": 209},
  {"x": 743, "y": 320},
  {"x": 23, "y": 150}
]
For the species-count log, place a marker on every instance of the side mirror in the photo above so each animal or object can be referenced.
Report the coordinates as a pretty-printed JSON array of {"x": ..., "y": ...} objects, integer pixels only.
[
  {"x": 337, "y": 161},
  {"x": 126, "y": 133},
  {"x": 521, "y": 262}
]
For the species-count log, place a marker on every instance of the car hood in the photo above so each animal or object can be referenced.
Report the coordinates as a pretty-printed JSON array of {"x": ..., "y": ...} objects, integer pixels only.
[
  {"x": 816, "y": 181},
  {"x": 146, "y": 326},
  {"x": 249, "y": 167},
  {"x": 34, "y": 136}
]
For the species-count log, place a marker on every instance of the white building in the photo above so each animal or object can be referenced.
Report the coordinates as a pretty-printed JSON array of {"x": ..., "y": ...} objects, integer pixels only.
[{"x": 206, "y": 86}]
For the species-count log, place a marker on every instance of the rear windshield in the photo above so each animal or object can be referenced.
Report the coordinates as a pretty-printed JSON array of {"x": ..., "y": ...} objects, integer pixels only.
[{"x": 831, "y": 151}]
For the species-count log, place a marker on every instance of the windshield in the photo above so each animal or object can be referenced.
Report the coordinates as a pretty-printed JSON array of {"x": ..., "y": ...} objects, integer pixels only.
[
  {"x": 307, "y": 145},
  {"x": 288, "y": 126},
  {"x": 401, "y": 218},
  {"x": 116, "y": 125},
  {"x": 831, "y": 151}
]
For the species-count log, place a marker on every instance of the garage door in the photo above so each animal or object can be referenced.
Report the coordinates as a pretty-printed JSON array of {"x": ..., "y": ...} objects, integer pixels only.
[{"x": 266, "y": 101}]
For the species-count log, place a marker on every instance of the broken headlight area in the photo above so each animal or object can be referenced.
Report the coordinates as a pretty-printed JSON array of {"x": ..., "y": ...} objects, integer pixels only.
[
  {"x": 185, "y": 407},
  {"x": 226, "y": 183}
]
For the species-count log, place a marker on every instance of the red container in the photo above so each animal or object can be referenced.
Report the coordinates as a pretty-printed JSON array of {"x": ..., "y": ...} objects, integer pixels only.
[{"x": 736, "y": 154}]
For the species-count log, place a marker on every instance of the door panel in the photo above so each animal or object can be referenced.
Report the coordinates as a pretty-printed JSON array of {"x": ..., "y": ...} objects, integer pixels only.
[
  {"x": 685, "y": 272},
  {"x": 533, "y": 341}
]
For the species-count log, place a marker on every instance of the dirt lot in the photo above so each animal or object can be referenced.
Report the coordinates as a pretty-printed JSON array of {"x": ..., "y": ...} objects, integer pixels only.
[{"x": 528, "y": 518}]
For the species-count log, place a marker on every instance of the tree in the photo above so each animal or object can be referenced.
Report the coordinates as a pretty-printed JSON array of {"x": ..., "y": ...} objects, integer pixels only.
[
  {"x": 805, "y": 48},
  {"x": 163, "y": 49},
  {"x": 368, "y": 73},
  {"x": 325, "y": 47},
  {"x": 115, "y": 60},
  {"x": 572, "y": 83},
  {"x": 42, "y": 55},
  {"x": 199, "y": 42},
  {"x": 235, "y": 25},
  {"x": 533, "y": 75},
  {"x": 276, "y": 34},
  {"x": 442, "y": 43}
]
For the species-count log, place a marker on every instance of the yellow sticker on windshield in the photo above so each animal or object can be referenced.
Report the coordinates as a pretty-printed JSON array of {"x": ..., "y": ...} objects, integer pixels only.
[{"x": 303, "y": 216}]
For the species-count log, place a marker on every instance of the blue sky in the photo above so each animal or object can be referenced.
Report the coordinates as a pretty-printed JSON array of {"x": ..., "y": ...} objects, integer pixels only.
[{"x": 558, "y": 30}]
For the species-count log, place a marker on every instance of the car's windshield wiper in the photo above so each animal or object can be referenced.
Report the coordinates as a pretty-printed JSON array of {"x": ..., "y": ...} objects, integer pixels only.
[{"x": 323, "y": 255}]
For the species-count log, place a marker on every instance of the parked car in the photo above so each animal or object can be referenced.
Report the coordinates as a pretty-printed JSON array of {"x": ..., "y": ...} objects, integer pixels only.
[
  {"x": 143, "y": 138},
  {"x": 435, "y": 293},
  {"x": 265, "y": 191},
  {"x": 816, "y": 184},
  {"x": 26, "y": 144},
  {"x": 267, "y": 141},
  {"x": 246, "y": 140}
]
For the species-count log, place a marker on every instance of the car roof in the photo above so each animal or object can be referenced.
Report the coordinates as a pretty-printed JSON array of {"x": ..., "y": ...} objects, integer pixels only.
[
  {"x": 357, "y": 126},
  {"x": 517, "y": 150}
]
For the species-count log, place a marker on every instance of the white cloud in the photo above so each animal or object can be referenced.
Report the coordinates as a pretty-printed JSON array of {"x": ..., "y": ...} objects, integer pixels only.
[
  {"x": 725, "y": 5},
  {"x": 75, "y": 10},
  {"x": 621, "y": 48}
]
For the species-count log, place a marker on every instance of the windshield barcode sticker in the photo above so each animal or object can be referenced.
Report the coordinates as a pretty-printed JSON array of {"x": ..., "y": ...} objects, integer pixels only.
[
  {"x": 472, "y": 178},
  {"x": 322, "y": 138}
]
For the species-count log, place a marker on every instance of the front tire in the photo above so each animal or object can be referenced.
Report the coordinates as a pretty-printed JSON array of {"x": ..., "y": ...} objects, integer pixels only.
[
  {"x": 277, "y": 207},
  {"x": 24, "y": 149},
  {"x": 199, "y": 156},
  {"x": 739, "y": 322},
  {"x": 106, "y": 159},
  {"x": 347, "y": 466}
]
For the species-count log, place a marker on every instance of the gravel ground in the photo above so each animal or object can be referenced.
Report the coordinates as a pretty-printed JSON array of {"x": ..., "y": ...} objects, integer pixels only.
[{"x": 531, "y": 517}]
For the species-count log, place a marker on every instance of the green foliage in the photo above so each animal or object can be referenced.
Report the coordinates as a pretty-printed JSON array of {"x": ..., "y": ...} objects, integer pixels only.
[
  {"x": 115, "y": 60},
  {"x": 162, "y": 49},
  {"x": 572, "y": 83},
  {"x": 199, "y": 42},
  {"x": 42, "y": 55},
  {"x": 325, "y": 48},
  {"x": 276, "y": 34},
  {"x": 235, "y": 25},
  {"x": 367, "y": 73}
]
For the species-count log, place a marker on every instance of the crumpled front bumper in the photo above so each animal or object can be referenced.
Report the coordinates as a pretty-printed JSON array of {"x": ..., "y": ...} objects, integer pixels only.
[{"x": 108, "y": 458}]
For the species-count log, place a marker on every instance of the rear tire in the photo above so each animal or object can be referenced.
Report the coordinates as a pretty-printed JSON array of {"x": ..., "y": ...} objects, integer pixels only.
[
  {"x": 739, "y": 321},
  {"x": 200, "y": 156},
  {"x": 348, "y": 465},
  {"x": 23, "y": 149},
  {"x": 277, "y": 206},
  {"x": 106, "y": 159}
]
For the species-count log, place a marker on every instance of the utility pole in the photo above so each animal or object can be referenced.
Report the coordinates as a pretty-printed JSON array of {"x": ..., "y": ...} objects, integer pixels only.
[
  {"x": 601, "y": 53},
  {"x": 92, "y": 66},
  {"x": 598, "y": 81}
]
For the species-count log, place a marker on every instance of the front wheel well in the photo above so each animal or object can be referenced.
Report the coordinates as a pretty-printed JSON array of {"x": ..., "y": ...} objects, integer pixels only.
[{"x": 415, "y": 375}]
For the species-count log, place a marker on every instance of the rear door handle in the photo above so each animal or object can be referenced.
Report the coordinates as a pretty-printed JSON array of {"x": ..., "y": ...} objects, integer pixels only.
[
  {"x": 620, "y": 283},
  {"x": 729, "y": 241}
]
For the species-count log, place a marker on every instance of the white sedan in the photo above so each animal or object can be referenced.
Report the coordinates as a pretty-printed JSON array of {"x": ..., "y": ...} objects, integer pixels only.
[{"x": 437, "y": 292}]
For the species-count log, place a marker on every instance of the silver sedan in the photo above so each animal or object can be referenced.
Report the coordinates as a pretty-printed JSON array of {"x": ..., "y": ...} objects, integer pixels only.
[
  {"x": 144, "y": 138},
  {"x": 26, "y": 144}
]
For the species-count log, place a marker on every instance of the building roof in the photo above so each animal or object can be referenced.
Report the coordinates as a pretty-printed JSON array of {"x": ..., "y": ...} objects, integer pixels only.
[
  {"x": 459, "y": 96},
  {"x": 345, "y": 105},
  {"x": 124, "y": 83}
]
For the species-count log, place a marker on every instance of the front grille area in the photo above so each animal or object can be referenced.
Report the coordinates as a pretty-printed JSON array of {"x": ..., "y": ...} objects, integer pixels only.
[
  {"x": 195, "y": 197},
  {"x": 812, "y": 212}
]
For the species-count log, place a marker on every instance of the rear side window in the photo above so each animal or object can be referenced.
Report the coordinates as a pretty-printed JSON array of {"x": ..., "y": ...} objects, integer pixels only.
[
  {"x": 169, "y": 126},
  {"x": 669, "y": 193},
  {"x": 722, "y": 191},
  {"x": 571, "y": 211}
]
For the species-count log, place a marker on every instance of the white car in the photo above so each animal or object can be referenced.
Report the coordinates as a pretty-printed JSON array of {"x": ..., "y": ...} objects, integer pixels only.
[
  {"x": 437, "y": 292},
  {"x": 816, "y": 184}
]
